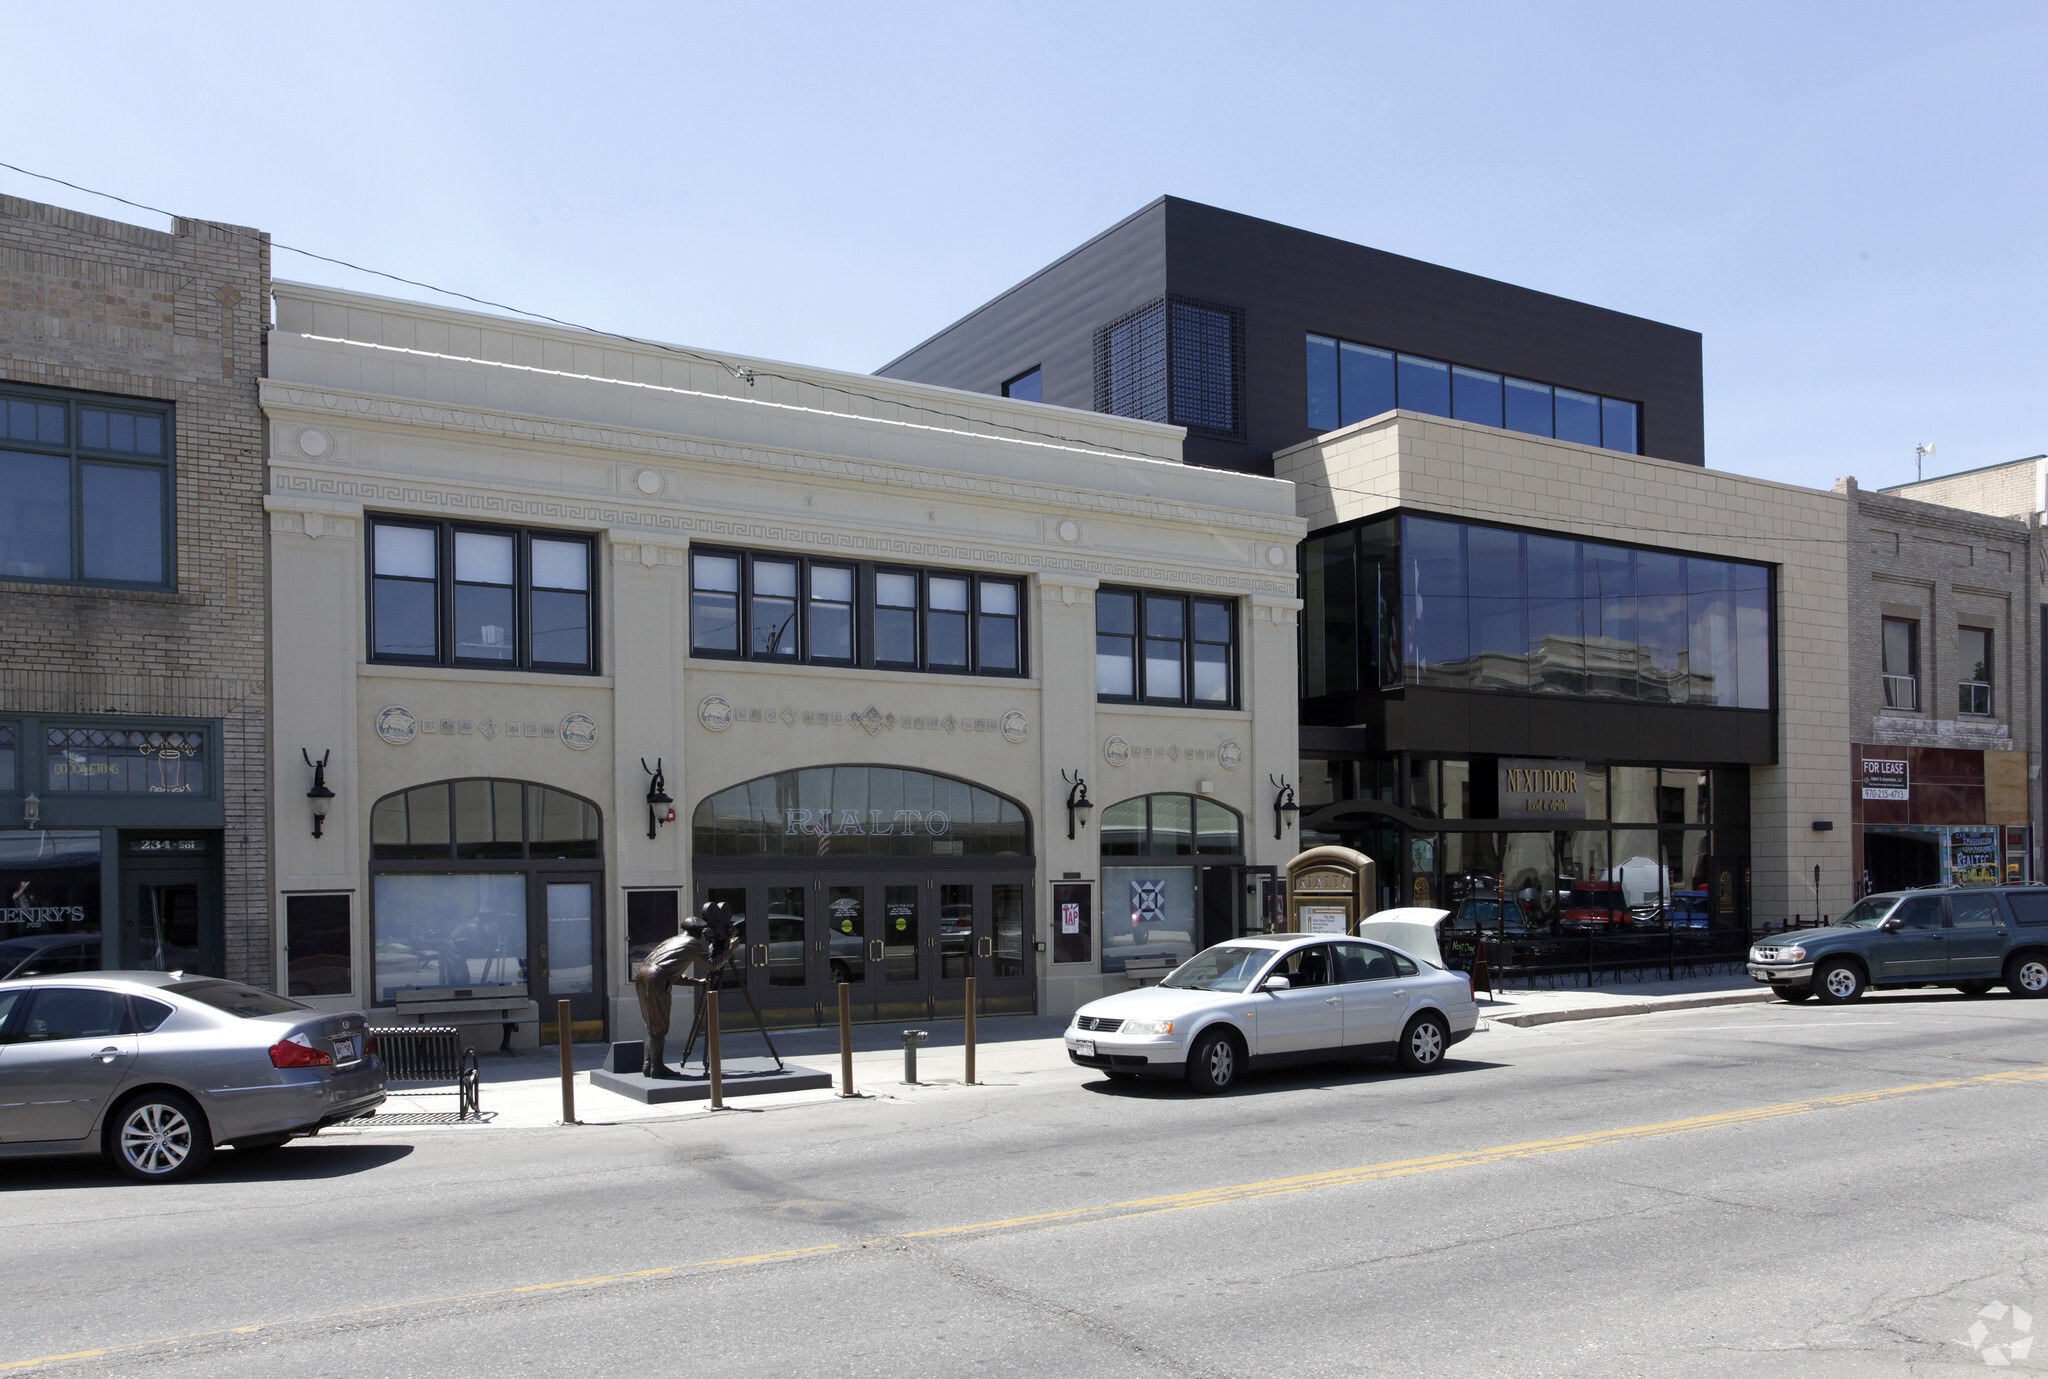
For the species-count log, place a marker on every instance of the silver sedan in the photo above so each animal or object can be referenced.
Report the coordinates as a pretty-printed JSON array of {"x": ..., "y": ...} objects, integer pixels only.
[{"x": 157, "y": 1069}]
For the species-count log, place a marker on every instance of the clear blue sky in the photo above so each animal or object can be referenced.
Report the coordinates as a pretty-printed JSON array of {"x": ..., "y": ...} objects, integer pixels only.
[{"x": 1846, "y": 200}]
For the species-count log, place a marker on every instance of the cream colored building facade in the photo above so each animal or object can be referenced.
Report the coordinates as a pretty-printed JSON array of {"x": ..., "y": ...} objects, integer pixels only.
[
  {"x": 1776, "y": 757},
  {"x": 429, "y": 459}
]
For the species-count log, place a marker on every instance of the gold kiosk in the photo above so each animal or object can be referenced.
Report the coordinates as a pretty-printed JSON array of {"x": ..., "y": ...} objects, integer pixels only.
[{"x": 1329, "y": 889}]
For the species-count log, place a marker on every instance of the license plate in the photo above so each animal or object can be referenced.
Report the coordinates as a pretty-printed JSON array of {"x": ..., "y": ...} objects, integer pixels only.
[
  {"x": 1085, "y": 1047},
  {"x": 1760, "y": 973},
  {"x": 345, "y": 1049}
]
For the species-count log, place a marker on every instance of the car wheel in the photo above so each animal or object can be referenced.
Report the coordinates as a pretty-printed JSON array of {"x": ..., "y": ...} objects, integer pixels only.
[
  {"x": 1212, "y": 1066},
  {"x": 159, "y": 1137},
  {"x": 1975, "y": 988},
  {"x": 1837, "y": 983},
  {"x": 2027, "y": 975},
  {"x": 1423, "y": 1045},
  {"x": 1793, "y": 993}
]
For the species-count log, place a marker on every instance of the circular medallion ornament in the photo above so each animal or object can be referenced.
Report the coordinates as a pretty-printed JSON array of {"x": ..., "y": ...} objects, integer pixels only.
[
  {"x": 1275, "y": 557},
  {"x": 579, "y": 733},
  {"x": 1070, "y": 531},
  {"x": 1116, "y": 750},
  {"x": 1016, "y": 727},
  {"x": 1230, "y": 756},
  {"x": 715, "y": 714},
  {"x": 648, "y": 482},
  {"x": 313, "y": 443},
  {"x": 396, "y": 725}
]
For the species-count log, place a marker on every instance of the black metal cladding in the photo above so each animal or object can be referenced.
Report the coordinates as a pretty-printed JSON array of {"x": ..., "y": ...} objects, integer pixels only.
[{"x": 1175, "y": 360}]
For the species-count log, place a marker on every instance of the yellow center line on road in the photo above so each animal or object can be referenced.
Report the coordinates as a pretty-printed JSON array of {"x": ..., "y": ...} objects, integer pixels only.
[{"x": 1112, "y": 1211}]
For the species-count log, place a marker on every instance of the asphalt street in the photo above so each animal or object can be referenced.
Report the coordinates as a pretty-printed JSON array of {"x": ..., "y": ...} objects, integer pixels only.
[{"x": 1757, "y": 1190}]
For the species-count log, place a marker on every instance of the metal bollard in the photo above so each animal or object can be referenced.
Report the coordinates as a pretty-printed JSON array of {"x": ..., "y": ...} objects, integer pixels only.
[
  {"x": 970, "y": 1031},
  {"x": 565, "y": 1036},
  {"x": 846, "y": 1040},
  {"x": 911, "y": 1039},
  {"x": 712, "y": 1060}
]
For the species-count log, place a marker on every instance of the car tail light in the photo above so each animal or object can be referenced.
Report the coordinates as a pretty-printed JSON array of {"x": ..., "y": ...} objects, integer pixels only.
[
  {"x": 369, "y": 1044},
  {"x": 1471, "y": 991},
  {"x": 296, "y": 1051}
]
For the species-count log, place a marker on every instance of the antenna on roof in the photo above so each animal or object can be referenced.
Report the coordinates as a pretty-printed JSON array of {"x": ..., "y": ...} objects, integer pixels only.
[{"x": 1921, "y": 453}]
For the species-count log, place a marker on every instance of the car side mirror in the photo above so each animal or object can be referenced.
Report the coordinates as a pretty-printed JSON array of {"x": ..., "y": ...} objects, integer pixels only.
[
  {"x": 1889, "y": 925},
  {"x": 1275, "y": 984}
]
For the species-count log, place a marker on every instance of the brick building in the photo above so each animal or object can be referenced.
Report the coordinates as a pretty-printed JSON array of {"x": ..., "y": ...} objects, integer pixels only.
[{"x": 133, "y": 657}]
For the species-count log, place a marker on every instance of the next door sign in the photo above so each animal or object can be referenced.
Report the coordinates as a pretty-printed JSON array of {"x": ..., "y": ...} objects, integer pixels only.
[{"x": 1542, "y": 789}]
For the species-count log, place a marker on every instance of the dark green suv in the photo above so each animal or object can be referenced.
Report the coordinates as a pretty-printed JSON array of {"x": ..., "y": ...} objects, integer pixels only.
[{"x": 1970, "y": 938}]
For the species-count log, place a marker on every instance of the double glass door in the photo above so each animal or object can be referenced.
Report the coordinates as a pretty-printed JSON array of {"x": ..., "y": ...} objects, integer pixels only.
[{"x": 903, "y": 944}]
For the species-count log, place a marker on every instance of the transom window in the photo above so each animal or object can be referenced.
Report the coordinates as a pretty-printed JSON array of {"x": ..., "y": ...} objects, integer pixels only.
[
  {"x": 126, "y": 761},
  {"x": 504, "y": 820},
  {"x": 1156, "y": 648},
  {"x": 444, "y": 593},
  {"x": 85, "y": 489},
  {"x": 759, "y": 606},
  {"x": 1171, "y": 825}
]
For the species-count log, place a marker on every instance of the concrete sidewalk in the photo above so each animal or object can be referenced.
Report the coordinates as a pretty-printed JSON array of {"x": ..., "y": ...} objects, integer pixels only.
[{"x": 524, "y": 1091}]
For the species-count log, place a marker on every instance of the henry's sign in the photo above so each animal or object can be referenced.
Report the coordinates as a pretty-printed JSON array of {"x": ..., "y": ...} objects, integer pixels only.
[
  {"x": 1542, "y": 789},
  {"x": 1886, "y": 780}
]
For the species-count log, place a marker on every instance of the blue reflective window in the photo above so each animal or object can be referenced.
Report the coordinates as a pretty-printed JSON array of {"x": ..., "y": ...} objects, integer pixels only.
[
  {"x": 68, "y": 518},
  {"x": 1661, "y": 626},
  {"x": 1618, "y": 430},
  {"x": 1368, "y": 382},
  {"x": 1475, "y": 396},
  {"x": 1578, "y": 417},
  {"x": 1557, "y": 637},
  {"x": 1322, "y": 383},
  {"x": 1028, "y": 386},
  {"x": 122, "y": 508},
  {"x": 35, "y": 516},
  {"x": 1433, "y": 602},
  {"x": 1528, "y": 407},
  {"x": 1496, "y": 601},
  {"x": 1425, "y": 386}
]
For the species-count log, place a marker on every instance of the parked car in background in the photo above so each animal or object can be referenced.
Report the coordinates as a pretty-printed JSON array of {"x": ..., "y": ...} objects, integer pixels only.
[
  {"x": 1970, "y": 938},
  {"x": 1262, "y": 1002},
  {"x": 35, "y": 955},
  {"x": 156, "y": 1070},
  {"x": 1494, "y": 915},
  {"x": 1688, "y": 910}
]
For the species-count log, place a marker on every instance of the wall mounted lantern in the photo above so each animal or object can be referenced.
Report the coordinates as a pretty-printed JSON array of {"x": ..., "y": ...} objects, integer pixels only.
[
  {"x": 660, "y": 808},
  {"x": 1284, "y": 807},
  {"x": 31, "y": 809},
  {"x": 319, "y": 796},
  {"x": 1079, "y": 806}
]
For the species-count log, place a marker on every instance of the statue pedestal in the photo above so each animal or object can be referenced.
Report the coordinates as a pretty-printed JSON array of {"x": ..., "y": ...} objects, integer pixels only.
[{"x": 738, "y": 1076}]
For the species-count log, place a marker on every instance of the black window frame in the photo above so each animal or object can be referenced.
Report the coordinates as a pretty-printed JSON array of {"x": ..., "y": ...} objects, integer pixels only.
[
  {"x": 1139, "y": 637},
  {"x": 445, "y": 530},
  {"x": 1037, "y": 370},
  {"x": 78, "y": 455},
  {"x": 865, "y": 656}
]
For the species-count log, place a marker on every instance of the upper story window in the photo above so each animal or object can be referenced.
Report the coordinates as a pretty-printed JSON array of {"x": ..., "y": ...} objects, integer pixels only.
[
  {"x": 1028, "y": 386},
  {"x": 1973, "y": 645},
  {"x": 447, "y": 593},
  {"x": 1175, "y": 360},
  {"x": 767, "y": 607},
  {"x": 1348, "y": 382},
  {"x": 85, "y": 489},
  {"x": 1421, "y": 601},
  {"x": 1901, "y": 664},
  {"x": 1157, "y": 648}
]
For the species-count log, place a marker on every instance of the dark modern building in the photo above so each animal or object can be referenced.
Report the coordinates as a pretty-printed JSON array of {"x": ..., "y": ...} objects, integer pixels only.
[
  {"x": 1555, "y": 674},
  {"x": 1257, "y": 336}
]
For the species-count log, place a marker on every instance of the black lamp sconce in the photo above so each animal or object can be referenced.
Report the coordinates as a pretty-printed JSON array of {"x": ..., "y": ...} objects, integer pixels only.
[
  {"x": 1079, "y": 806},
  {"x": 1284, "y": 807},
  {"x": 660, "y": 808},
  {"x": 320, "y": 796}
]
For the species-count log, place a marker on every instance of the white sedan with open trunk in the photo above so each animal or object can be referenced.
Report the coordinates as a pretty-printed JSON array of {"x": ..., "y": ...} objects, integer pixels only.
[{"x": 1264, "y": 1002}]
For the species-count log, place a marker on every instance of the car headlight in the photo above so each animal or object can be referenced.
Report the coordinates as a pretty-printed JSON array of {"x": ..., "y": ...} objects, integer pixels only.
[
  {"x": 1795, "y": 953},
  {"x": 1147, "y": 1027}
]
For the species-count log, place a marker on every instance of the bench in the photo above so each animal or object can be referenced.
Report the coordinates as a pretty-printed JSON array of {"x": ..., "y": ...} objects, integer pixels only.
[
  {"x": 430, "y": 1053},
  {"x": 1147, "y": 971},
  {"x": 506, "y": 1006}
]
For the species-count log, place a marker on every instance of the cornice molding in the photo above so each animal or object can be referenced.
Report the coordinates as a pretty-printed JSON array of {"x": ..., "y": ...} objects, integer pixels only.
[{"x": 331, "y": 404}]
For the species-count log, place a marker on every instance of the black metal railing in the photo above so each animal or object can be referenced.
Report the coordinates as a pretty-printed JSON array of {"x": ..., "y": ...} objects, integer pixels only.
[{"x": 1590, "y": 957}]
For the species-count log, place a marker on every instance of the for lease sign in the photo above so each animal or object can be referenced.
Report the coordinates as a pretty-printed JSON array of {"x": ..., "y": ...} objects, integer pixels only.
[{"x": 1885, "y": 780}]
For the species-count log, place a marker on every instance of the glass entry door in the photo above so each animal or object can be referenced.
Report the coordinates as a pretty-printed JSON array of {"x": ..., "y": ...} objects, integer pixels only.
[
  {"x": 877, "y": 937},
  {"x": 566, "y": 934},
  {"x": 170, "y": 920},
  {"x": 985, "y": 930},
  {"x": 771, "y": 957}
]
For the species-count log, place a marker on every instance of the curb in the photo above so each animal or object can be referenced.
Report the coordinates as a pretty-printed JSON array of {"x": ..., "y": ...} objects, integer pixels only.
[{"x": 1551, "y": 1017}]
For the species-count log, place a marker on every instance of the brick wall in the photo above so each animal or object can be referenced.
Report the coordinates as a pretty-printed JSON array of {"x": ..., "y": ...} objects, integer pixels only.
[
  {"x": 102, "y": 306},
  {"x": 2004, "y": 490}
]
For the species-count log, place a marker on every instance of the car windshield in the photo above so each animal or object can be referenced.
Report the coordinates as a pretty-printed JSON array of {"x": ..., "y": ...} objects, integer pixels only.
[
  {"x": 1867, "y": 914},
  {"x": 1220, "y": 969},
  {"x": 234, "y": 998}
]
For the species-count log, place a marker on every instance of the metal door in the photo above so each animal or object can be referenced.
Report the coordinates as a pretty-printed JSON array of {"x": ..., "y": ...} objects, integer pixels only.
[
  {"x": 985, "y": 930},
  {"x": 1918, "y": 948},
  {"x": 70, "y": 1052},
  {"x": 771, "y": 955},
  {"x": 566, "y": 935},
  {"x": 1976, "y": 935}
]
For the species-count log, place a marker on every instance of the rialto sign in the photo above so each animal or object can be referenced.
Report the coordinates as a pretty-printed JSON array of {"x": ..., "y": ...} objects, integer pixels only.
[
  {"x": 865, "y": 823},
  {"x": 1542, "y": 789}
]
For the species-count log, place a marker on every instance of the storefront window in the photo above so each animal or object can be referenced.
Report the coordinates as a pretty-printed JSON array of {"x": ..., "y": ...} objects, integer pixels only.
[
  {"x": 49, "y": 902},
  {"x": 859, "y": 811},
  {"x": 1152, "y": 910},
  {"x": 1148, "y": 912},
  {"x": 446, "y": 931}
]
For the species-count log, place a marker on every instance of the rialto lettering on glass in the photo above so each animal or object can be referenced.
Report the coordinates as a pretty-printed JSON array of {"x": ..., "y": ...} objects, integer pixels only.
[{"x": 865, "y": 823}]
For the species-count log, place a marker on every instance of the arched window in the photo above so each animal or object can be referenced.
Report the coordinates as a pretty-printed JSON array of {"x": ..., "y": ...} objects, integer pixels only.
[
  {"x": 502, "y": 820},
  {"x": 1171, "y": 825},
  {"x": 824, "y": 812}
]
